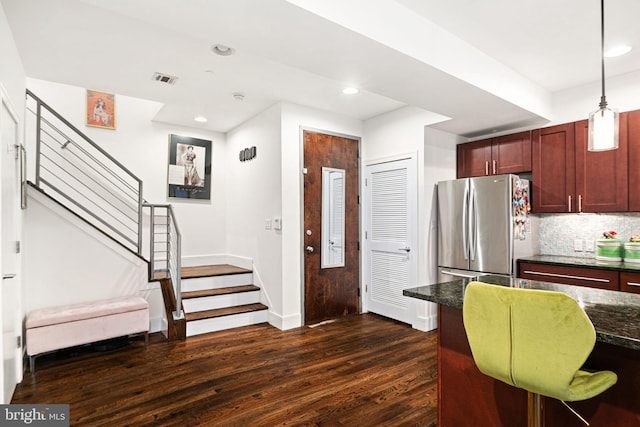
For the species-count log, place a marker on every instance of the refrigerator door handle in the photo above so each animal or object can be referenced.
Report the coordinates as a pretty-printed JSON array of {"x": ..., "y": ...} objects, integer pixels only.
[
  {"x": 473, "y": 221},
  {"x": 465, "y": 219},
  {"x": 465, "y": 275}
]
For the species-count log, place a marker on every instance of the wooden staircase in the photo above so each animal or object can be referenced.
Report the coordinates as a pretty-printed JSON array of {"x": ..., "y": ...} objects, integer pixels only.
[{"x": 219, "y": 297}]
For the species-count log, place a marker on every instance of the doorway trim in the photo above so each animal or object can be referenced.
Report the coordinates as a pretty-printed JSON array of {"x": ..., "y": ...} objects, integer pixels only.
[{"x": 302, "y": 130}]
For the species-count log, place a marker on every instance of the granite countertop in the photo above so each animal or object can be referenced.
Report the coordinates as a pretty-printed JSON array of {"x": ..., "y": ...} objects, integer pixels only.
[
  {"x": 615, "y": 315},
  {"x": 582, "y": 262}
]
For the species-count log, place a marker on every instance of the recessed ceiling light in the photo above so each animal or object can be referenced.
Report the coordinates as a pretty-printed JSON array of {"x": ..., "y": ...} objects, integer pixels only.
[
  {"x": 617, "y": 51},
  {"x": 222, "y": 50},
  {"x": 350, "y": 90},
  {"x": 200, "y": 119}
]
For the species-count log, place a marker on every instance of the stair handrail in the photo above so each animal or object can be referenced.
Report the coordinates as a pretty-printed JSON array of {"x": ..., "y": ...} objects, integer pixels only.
[
  {"x": 137, "y": 192},
  {"x": 172, "y": 250}
]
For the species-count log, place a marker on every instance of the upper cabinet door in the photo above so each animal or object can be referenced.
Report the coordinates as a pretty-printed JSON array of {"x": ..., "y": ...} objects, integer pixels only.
[
  {"x": 601, "y": 177},
  {"x": 511, "y": 153},
  {"x": 474, "y": 159},
  {"x": 554, "y": 170},
  {"x": 633, "y": 134}
]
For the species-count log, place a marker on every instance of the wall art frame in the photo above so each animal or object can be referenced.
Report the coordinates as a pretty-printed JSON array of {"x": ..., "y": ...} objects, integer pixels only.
[
  {"x": 189, "y": 168},
  {"x": 101, "y": 109}
]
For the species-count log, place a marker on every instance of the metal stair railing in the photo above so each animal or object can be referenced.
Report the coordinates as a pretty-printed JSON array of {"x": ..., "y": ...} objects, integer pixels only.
[
  {"x": 85, "y": 179},
  {"x": 77, "y": 173},
  {"x": 165, "y": 249}
]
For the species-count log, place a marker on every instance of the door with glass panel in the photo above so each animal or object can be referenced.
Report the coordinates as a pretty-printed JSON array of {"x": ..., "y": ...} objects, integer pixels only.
[{"x": 331, "y": 227}]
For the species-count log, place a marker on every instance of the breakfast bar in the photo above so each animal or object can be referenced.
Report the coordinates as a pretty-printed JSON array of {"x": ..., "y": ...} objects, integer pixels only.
[{"x": 468, "y": 397}]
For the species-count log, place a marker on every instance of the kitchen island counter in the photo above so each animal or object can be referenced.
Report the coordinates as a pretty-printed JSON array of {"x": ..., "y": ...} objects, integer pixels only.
[
  {"x": 615, "y": 315},
  {"x": 616, "y": 318}
]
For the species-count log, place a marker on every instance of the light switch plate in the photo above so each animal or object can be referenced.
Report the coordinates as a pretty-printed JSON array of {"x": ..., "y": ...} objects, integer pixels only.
[
  {"x": 267, "y": 224},
  {"x": 589, "y": 246},
  {"x": 578, "y": 245}
]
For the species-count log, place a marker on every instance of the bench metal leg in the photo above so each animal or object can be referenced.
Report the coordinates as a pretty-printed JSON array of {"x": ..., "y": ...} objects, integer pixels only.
[{"x": 32, "y": 364}]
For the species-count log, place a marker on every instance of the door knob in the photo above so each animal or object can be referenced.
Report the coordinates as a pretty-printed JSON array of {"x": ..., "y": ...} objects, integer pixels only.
[{"x": 309, "y": 249}]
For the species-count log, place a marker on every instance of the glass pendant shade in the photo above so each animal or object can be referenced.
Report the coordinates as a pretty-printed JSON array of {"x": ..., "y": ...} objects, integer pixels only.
[{"x": 603, "y": 129}]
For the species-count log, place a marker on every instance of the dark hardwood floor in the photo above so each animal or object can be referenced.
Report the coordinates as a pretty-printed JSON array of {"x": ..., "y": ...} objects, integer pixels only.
[{"x": 363, "y": 370}]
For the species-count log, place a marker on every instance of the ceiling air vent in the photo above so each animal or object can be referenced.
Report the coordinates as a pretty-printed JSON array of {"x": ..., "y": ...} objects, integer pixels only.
[{"x": 164, "y": 78}]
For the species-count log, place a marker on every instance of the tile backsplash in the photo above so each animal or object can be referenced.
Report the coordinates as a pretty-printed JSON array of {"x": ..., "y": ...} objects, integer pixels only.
[{"x": 557, "y": 232}]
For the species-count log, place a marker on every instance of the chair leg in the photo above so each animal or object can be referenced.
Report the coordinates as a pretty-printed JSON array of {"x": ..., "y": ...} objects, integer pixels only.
[
  {"x": 574, "y": 412},
  {"x": 534, "y": 410}
]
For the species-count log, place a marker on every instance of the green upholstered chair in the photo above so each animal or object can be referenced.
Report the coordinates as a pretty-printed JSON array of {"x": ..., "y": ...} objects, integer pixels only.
[{"x": 535, "y": 340}]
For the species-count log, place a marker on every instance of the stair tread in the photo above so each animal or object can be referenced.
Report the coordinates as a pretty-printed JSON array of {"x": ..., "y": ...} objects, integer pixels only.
[
  {"x": 220, "y": 291},
  {"x": 212, "y": 270},
  {"x": 227, "y": 311}
]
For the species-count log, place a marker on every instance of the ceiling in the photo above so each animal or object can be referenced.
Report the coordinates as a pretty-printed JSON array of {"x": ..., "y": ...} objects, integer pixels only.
[{"x": 484, "y": 66}]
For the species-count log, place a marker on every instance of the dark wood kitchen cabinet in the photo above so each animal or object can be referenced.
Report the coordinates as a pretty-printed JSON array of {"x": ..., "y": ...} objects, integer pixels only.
[
  {"x": 554, "y": 169},
  {"x": 630, "y": 282},
  {"x": 601, "y": 177},
  {"x": 495, "y": 156},
  {"x": 633, "y": 132},
  {"x": 569, "y": 178},
  {"x": 568, "y": 275},
  {"x": 473, "y": 158}
]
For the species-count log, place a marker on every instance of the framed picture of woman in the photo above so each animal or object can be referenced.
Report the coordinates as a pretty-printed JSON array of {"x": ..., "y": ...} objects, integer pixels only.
[
  {"x": 101, "y": 109},
  {"x": 189, "y": 172}
]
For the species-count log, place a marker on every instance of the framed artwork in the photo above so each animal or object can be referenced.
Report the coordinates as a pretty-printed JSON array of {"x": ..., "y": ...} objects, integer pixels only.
[
  {"x": 189, "y": 173},
  {"x": 101, "y": 109}
]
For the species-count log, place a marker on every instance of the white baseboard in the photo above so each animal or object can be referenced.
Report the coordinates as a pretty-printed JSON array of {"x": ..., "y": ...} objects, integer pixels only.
[
  {"x": 157, "y": 324},
  {"x": 286, "y": 322},
  {"x": 425, "y": 324}
]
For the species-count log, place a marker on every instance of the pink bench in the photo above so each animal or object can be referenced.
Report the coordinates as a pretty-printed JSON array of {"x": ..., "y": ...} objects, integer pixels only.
[{"x": 55, "y": 328}]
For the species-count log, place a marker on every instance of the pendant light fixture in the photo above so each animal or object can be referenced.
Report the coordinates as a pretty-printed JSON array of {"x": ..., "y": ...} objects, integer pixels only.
[{"x": 603, "y": 123}]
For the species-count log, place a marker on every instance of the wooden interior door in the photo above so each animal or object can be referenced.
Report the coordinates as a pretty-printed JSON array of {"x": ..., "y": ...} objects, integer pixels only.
[{"x": 330, "y": 292}]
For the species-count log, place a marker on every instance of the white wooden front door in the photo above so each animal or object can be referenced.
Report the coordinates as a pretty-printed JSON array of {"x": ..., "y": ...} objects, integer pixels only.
[
  {"x": 391, "y": 237},
  {"x": 9, "y": 235}
]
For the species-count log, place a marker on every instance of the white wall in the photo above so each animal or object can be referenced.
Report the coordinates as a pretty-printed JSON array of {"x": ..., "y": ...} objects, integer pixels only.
[
  {"x": 623, "y": 93},
  {"x": 253, "y": 196},
  {"x": 294, "y": 118},
  {"x": 67, "y": 262}
]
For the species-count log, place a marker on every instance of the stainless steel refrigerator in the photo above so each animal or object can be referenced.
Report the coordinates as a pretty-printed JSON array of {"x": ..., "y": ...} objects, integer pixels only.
[{"x": 483, "y": 226}]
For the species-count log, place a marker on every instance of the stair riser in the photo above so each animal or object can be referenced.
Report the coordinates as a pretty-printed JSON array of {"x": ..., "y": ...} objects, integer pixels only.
[
  {"x": 204, "y": 326},
  {"x": 216, "y": 282},
  {"x": 220, "y": 301}
]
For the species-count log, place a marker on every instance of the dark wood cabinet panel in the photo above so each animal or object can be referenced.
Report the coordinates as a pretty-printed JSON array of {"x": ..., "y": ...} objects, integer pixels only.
[
  {"x": 553, "y": 166},
  {"x": 601, "y": 177},
  {"x": 465, "y": 395},
  {"x": 474, "y": 159},
  {"x": 589, "y": 277},
  {"x": 495, "y": 156},
  {"x": 630, "y": 282},
  {"x": 633, "y": 133},
  {"x": 511, "y": 153}
]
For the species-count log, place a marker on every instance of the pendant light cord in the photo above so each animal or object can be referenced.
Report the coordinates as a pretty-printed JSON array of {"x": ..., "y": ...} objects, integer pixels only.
[{"x": 603, "y": 99}]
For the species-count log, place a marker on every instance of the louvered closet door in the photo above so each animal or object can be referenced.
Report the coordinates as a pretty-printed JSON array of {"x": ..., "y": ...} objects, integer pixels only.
[{"x": 391, "y": 237}]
